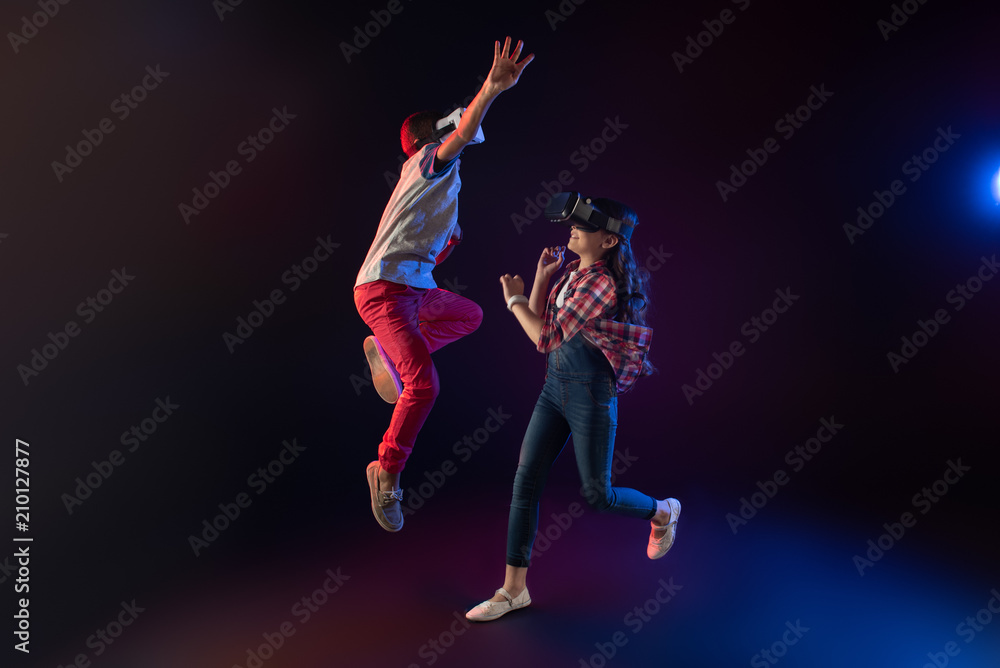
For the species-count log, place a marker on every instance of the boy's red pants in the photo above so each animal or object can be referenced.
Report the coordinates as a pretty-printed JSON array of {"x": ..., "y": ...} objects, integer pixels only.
[{"x": 411, "y": 323}]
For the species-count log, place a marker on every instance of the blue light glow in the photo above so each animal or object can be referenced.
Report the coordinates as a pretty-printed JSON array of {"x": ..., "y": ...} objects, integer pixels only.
[{"x": 995, "y": 187}]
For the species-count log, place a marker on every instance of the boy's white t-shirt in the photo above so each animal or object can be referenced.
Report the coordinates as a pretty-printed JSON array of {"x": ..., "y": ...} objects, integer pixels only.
[{"x": 417, "y": 222}]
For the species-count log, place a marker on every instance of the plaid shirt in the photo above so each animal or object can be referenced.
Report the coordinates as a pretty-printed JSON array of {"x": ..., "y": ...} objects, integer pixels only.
[{"x": 589, "y": 304}]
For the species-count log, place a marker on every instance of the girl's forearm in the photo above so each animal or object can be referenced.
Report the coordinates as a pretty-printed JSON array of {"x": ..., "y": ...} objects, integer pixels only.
[
  {"x": 530, "y": 321},
  {"x": 539, "y": 290}
]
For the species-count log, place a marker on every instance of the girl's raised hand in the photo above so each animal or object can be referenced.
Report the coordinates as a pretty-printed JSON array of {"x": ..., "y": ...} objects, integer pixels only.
[
  {"x": 512, "y": 285},
  {"x": 550, "y": 261}
]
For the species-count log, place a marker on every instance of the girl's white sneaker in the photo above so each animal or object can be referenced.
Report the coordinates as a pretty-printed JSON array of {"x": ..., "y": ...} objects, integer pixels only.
[{"x": 490, "y": 610}]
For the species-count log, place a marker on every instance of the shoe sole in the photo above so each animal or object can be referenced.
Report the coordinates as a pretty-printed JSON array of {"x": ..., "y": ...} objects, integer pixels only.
[
  {"x": 372, "y": 473},
  {"x": 382, "y": 378}
]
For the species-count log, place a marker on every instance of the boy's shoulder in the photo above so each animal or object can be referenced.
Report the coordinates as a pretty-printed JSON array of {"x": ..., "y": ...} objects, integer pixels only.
[{"x": 429, "y": 167}]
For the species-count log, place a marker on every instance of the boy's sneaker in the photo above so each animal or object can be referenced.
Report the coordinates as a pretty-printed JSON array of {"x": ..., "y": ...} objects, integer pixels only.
[
  {"x": 384, "y": 375},
  {"x": 385, "y": 505}
]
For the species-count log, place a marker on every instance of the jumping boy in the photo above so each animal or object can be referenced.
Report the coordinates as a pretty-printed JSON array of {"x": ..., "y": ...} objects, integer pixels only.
[{"x": 395, "y": 292}]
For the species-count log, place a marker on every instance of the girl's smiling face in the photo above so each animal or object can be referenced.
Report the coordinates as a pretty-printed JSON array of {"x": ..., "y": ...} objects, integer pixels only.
[{"x": 590, "y": 246}]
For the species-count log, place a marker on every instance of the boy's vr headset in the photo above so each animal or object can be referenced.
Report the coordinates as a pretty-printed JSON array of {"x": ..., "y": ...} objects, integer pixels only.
[
  {"x": 449, "y": 124},
  {"x": 446, "y": 126},
  {"x": 572, "y": 209}
]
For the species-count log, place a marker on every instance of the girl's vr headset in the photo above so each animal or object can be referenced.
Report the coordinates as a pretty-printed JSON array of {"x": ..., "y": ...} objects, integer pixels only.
[{"x": 572, "y": 209}]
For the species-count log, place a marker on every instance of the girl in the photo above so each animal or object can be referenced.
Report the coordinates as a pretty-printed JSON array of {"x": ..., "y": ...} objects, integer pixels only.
[{"x": 592, "y": 329}]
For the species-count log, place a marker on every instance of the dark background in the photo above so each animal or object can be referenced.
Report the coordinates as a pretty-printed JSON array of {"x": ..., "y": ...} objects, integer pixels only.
[{"x": 301, "y": 373}]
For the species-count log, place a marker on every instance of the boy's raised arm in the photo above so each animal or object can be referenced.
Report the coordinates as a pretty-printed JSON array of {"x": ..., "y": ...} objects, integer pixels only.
[{"x": 503, "y": 75}]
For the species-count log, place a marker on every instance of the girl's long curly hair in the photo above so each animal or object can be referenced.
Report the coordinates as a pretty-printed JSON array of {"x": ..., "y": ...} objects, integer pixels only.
[{"x": 631, "y": 280}]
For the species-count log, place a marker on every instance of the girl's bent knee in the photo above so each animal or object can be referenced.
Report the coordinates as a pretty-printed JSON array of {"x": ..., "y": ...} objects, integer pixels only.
[{"x": 600, "y": 502}]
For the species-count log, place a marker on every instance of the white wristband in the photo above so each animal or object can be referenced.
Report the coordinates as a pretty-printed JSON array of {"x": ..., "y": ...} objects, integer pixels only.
[{"x": 516, "y": 299}]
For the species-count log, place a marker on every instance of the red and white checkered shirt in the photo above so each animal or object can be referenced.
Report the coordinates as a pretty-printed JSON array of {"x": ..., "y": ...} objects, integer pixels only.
[{"x": 590, "y": 302}]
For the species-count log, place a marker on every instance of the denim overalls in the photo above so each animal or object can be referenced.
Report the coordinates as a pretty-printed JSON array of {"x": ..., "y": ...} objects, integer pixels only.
[{"x": 579, "y": 398}]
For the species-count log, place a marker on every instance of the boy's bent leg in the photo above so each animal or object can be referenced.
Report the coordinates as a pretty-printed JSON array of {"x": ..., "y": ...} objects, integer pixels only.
[
  {"x": 420, "y": 389},
  {"x": 391, "y": 313},
  {"x": 446, "y": 317}
]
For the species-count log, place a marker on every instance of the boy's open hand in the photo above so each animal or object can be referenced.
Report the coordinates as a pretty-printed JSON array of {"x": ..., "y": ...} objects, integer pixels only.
[{"x": 506, "y": 70}]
